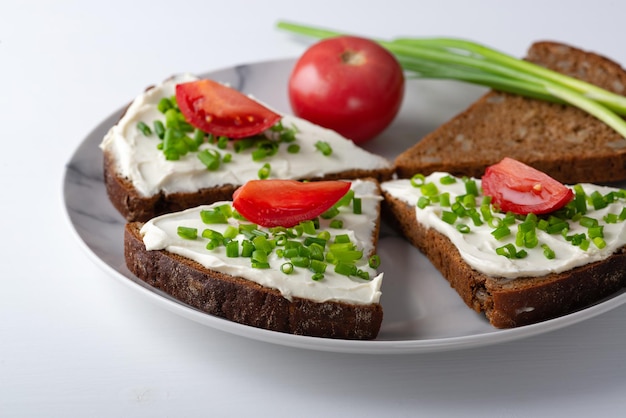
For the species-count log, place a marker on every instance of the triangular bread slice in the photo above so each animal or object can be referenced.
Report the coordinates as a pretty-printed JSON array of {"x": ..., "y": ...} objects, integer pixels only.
[
  {"x": 560, "y": 140},
  {"x": 141, "y": 183},
  {"x": 337, "y": 306},
  {"x": 510, "y": 292}
]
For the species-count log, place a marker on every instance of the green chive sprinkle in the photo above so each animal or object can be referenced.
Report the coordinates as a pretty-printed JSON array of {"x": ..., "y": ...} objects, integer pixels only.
[
  {"x": 418, "y": 180},
  {"x": 374, "y": 261},
  {"x": 447, "y": 180},
  {"x": 422, "y": 202},
  {"x": 336, "y": 224},
  {"x": 548, "y": 252},
  {"x": 286, "y": 268},
  {"x": 187, "y": 232},
  {"x": 264, "y": 172},
  {"x": 145, "y": 129},
  {"x": 324, "y": 148}
]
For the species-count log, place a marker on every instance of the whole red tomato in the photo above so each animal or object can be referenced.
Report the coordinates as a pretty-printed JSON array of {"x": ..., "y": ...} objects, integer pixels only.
[{"x": 349, "y": 84}]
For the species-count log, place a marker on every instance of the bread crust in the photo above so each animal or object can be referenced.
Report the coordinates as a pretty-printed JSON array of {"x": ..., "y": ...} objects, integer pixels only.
[
  {"x": 562, "y": 141},
  {"x": 509, "y": 303},
  {"x": 135, "y": 207},
  {"x": 243, "y": 301}
]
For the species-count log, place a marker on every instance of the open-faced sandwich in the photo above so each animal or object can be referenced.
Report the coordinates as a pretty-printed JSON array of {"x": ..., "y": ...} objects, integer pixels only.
[
  {"x": 192, "y": 141},
  {"x": 284, "y": 255},
  {"x": 517, "y": 245}
]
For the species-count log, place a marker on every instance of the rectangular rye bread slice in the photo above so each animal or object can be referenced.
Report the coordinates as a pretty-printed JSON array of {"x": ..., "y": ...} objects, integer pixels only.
[{"x": 562, "y": 141}]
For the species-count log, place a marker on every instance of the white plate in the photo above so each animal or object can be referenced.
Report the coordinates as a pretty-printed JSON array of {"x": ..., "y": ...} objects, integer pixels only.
[{"x": 421, "y": 312}]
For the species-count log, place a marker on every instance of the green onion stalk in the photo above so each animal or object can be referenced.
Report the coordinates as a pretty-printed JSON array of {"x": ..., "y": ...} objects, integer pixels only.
[{"x": 467, "y": 61}]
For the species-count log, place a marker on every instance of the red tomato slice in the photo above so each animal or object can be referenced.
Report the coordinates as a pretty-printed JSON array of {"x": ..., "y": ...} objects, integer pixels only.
[
  {"x": 286, "y": 203},
  {"x": 221, "y": 110},
  {"x": 521, "y": 189}
]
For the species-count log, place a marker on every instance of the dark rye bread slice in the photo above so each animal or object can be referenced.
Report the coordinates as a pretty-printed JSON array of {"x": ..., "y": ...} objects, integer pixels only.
[
  {"x": 135, "y": 207},
  {"x": 560, "y": 140},
  {"x": 509, "y": 303},
  {"x": 246, "y": 302}
]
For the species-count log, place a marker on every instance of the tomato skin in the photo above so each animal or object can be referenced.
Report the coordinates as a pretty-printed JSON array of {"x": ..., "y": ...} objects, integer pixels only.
[
  {"x": 277, "y": 202},
  {"x": 521, "y": 189},
  {"x": 348, "y": 84},
  {"x": 221, "y": 110}
]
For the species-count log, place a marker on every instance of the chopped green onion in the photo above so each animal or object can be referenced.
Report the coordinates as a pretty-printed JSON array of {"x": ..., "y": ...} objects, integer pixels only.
[
  {"x": 356, "y": 206},
  {"x": 317, "y": 277},
  {"x": 242, "y": 144},
  {"x": 501, "y": 232},
  {"x": 548, "y": 252},
  {"x": 212, "y": 216},
  {"x": 264, "y": 172},
  {"x": 444, "y": 199},
  {"x": 317, "y": 266},
  {"x": 449, "y": 217},
  {"x": 301, "y": 261},
  {"x": 187, "y": 232},
  {"x": 286, "y": 268},
  {"x": 336, "y": 224},
  {"x": 293, "y": 149},
  {"x": 222, "y": 142},
  {"x": 598, "y": 201},
  {"x": 422, "y": 202},
  {"x": 324, "y": 148},
  {"x": 599, "y": 242},
  {"x": 463, "y": 228},
  {"x": 145, "y": 129},
  {"x": 471, "y": 187},
  {"x": 164, "y": 105},
  {"x": 330, "y": 213},
  {"x": 346, "y": 199},
  {"x": 247, "y": 248},
  {"x": 418, "y": 180},
  {"x": 232, "y": 249},
  {"x": 210, "y": 158},
  {"x": 346, "y": 269},
  {"x": 159, "y": 129},
  {"x": 447, "y": 179},
  {"x": 429, "y": 189},
  {"x": 374, "y": 261}
]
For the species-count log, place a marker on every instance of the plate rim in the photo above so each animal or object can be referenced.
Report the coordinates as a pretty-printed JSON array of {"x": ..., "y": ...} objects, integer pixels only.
[{"x": 413, "y": 346}]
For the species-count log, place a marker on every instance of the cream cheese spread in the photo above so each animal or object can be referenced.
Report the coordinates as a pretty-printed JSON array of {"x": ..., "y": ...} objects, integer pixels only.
[
  {"x": 160, "y": 233},
  {"x": 138, "y": 159},
  {"x": 478, "y": 246}
]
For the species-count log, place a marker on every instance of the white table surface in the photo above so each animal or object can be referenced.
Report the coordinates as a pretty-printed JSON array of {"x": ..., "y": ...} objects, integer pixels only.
[{"x": 74, "y": 342}]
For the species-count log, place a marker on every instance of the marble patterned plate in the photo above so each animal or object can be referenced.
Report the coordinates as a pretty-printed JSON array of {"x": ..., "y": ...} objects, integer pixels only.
[{"x": 422, "y": 313}]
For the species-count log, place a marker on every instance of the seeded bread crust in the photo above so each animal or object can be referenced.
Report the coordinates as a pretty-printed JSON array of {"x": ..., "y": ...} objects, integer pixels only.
[
  {"x": 246, "y": 302},
  {"x": 510, "y": 303},
  {"x": 561, "y": 140}
]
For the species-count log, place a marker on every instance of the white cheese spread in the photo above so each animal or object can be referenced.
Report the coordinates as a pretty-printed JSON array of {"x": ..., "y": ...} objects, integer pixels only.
[
  {"x": 478, "y": 246},
  {"x": 160, "y": 233},
  {"x": 138, "y": 159}
]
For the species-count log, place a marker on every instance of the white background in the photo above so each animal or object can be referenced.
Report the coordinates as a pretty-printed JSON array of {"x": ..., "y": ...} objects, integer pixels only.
[{"x": 74, "y": 342}]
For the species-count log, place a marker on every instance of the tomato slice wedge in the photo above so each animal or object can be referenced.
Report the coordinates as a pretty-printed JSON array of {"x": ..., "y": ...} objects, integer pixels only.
[
  {"x": 277, "y": 202},
  {"x": 221, "y": 110},
  {"x": 521, "y": 189}
]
